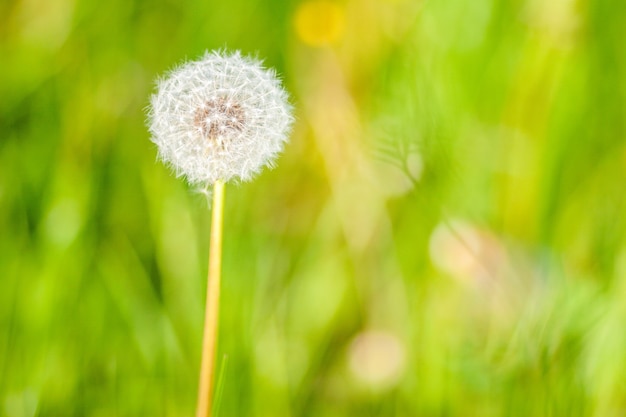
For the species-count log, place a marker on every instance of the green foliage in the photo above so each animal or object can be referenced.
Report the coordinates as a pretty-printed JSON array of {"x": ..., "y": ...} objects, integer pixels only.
[{"x": 445, "y": 234}]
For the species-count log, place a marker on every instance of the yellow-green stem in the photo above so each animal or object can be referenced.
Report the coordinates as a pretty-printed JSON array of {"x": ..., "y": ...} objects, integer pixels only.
[{"x": 209, "y": 340}]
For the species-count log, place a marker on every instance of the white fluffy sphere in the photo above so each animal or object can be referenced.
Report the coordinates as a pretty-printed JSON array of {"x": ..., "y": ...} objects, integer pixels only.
[{"x": 218, "y": 118}]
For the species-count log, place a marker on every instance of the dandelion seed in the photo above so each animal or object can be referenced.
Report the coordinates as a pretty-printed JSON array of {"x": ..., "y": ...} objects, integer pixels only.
[{"x": 222, "y": 117}]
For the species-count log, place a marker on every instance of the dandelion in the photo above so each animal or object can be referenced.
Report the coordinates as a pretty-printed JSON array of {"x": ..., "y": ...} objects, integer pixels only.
[{"x": 219, "y": 118}]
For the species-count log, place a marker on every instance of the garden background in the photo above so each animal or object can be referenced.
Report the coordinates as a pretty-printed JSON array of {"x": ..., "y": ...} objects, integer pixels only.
[{"x": 443, "y": 236}]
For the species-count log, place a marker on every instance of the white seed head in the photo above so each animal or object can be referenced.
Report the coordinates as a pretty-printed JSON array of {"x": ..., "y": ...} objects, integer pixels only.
[{"x": 218, "y": 118}]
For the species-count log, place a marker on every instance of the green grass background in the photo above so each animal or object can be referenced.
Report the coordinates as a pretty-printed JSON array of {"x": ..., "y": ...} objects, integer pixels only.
[{"x": 455, "y": 179}]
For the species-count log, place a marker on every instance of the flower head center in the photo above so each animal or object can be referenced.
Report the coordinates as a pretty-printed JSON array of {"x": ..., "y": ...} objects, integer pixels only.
[{"x": 219, "y": 117}]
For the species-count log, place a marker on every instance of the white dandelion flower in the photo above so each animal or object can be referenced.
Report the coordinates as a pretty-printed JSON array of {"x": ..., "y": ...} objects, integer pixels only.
[{"x": 219, "y": 118}]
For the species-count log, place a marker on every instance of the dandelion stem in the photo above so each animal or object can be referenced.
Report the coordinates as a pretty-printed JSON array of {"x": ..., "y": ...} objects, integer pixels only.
[{"x": 209, "y": 342}]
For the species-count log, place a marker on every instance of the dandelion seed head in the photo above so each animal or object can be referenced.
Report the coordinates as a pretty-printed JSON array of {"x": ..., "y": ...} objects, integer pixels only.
[{"x": 222, "y": 117}]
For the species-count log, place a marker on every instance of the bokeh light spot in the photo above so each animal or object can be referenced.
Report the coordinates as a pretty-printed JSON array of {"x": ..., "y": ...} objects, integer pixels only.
[{"x": 376, "y": 358}]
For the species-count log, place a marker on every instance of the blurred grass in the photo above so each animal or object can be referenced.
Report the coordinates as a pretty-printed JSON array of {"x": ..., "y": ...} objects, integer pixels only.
[{"x": 443, "y": 236}]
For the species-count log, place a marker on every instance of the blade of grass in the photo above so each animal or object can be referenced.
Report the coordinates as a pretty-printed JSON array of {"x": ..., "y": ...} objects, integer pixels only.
[{"x": 220, "y": 386}]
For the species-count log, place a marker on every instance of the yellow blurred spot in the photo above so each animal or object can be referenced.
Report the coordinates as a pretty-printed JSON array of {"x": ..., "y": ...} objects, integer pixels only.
[
  {"x": 319, "y": 22},
  {"x": 46, "y": 22}
]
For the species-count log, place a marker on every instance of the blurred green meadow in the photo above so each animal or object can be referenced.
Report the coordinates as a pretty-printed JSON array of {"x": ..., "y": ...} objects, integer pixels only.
[{"x": 443, "y": 236}]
